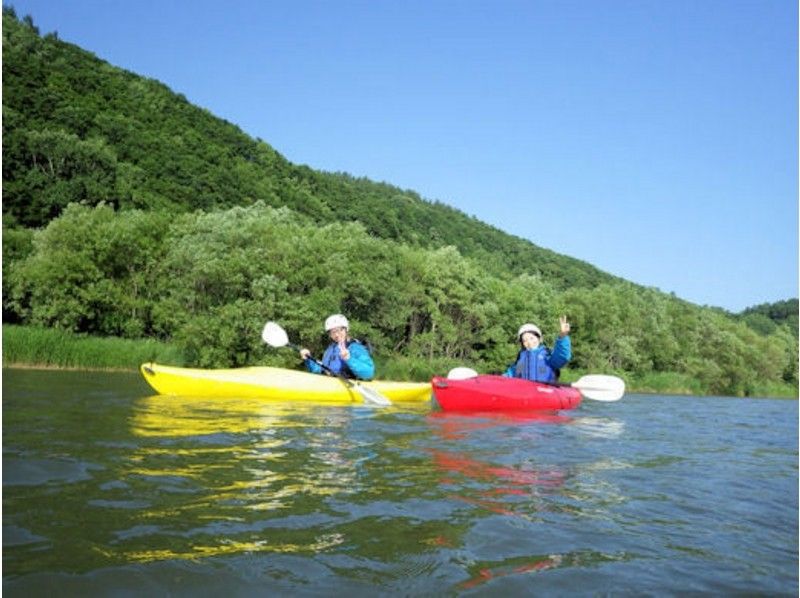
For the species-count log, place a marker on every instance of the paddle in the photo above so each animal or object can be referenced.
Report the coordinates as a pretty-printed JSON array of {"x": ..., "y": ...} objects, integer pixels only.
[
  {"x": 275, "y": 336},
  {"x": 594, "y": 386}
]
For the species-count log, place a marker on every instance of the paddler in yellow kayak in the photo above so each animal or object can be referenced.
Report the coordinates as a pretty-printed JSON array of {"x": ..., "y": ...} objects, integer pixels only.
[{"x": 345, "y": 355}]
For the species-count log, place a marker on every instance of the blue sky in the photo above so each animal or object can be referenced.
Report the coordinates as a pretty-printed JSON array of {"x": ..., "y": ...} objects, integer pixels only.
[{"x": 655, "y": 139}]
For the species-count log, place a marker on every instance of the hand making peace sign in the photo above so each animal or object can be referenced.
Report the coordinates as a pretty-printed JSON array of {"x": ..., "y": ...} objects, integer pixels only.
[{"x": 564, "y": 326}]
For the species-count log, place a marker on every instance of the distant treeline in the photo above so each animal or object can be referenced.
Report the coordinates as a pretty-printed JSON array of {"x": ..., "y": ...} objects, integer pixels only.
[
  {"x": 128, "y": 212},
  {"x": 767, "y": 317}
]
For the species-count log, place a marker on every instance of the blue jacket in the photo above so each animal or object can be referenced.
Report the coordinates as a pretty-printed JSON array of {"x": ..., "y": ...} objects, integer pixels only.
[
  {"x": 360, "y": 364},
  {"x": 540, "y": 364}
]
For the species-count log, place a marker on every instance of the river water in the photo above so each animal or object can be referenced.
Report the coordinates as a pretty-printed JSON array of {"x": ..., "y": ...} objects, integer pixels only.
[{"x": 108, "y": 490}]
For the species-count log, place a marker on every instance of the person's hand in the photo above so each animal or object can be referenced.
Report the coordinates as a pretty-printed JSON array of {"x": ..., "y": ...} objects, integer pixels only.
[
  {"x": 305, "y": 354},
  {"x": 563, "y": 326},
  {"x": 343, "y": 351}
]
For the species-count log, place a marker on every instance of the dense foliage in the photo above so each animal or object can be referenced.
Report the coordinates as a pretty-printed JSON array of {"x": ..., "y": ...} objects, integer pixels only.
[
  {"x": 768, "y": 317},
  {"x": 208, "y": 281},
  {"x": 130, "y": 213}
]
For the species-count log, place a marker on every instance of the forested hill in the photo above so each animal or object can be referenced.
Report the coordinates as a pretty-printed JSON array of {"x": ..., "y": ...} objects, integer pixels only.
[
  {"x": 76, "y": 128},
  {"x": 767, "y": 317}
]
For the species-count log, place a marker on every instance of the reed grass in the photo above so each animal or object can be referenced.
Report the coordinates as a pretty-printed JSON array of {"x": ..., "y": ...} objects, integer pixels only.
[
  {"x": 776, "y": 390},
  {"x": 667, "y": 383},
  {"x": 672, "y": 383},
  {"x": 43, "y": 347},
  {"x": 403, "y": 368}
]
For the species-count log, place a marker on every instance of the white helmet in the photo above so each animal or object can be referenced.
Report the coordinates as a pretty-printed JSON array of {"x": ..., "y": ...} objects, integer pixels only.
[
  {"x": 529, "y": 328},
  {"x": 336, "y": 321}
]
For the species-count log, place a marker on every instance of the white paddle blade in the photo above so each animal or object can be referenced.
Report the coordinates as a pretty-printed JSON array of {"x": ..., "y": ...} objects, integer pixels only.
[
  {"x": 600, "y": 388},
  {"x": 461, "y": 373},
  {"x": 274, "y": 335},
  {"x": 372, "y": 396}
]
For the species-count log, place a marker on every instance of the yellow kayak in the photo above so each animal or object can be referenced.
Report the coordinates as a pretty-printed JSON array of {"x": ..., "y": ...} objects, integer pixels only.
[{"x": 273, "y": 383}]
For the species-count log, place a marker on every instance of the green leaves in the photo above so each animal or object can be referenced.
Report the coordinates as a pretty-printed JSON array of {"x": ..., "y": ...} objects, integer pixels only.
[{"x": 90, "y": 271}]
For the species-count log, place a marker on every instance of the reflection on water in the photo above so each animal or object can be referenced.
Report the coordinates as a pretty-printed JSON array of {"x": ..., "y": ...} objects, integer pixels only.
[
  {"x": 599, "y": 427},
  {"x": 504, "y": 490},
  {"x": 485, "y": 572},
  {"x": 109, "y": 491},
  {"x": 534, "y": 485},
  {"x": 455, "y": 426},
  {"x": 246, "y": 463},
  {"x": 233, "y": 547},
  {"x": 243, "y": 462},
  {"x": 162, "y": 416},
  {"x": 533, "y": 478}
]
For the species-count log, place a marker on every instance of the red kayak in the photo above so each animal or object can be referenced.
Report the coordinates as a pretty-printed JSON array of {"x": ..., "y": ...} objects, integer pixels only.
[{"x": 498, "y": 393}]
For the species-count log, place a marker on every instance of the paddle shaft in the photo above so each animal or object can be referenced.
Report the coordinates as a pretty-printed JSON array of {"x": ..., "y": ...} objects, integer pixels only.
[{"x": 323, "y": 366}]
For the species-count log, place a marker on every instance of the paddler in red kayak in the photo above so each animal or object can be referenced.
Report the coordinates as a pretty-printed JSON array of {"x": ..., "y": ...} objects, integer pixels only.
[
  {"x": 345, "y": 355},
  {"x": 535, "y": 361}
]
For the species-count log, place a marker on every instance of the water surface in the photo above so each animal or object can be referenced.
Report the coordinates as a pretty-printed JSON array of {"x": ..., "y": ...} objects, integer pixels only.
[{"x": 110, "y": 490}]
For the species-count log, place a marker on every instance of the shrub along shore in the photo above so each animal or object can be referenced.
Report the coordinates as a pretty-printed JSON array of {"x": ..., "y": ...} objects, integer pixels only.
[{"x": 40, "y": 348}]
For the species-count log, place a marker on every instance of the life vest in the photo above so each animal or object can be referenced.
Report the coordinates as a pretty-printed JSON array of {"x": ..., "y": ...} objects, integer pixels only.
[
  {"x": 332, "y": 359},
  {"x": 534, "y": 365}
]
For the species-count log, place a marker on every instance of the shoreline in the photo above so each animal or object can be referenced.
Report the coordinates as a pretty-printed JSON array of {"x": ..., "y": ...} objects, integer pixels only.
[
  {"x": 66, "y": 368},
  {"x": 74, "y": 368}
]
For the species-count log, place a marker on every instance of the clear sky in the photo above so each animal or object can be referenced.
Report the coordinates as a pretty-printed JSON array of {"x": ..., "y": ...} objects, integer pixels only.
[{"x": 655, "y": 139}]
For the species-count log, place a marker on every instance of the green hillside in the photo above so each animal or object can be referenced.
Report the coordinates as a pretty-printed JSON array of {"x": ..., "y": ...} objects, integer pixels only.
[
  {"x": 768, "y": 317},
  {"x": 78, "y": 129},
  {"x": 128, "y": 212}
]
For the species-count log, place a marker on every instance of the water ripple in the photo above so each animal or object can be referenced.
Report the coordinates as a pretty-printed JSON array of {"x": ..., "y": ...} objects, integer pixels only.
[{"x": 160, "y": 496}]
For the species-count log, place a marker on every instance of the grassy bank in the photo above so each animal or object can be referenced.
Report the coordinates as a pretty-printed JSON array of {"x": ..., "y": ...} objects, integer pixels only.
[
  {"x": 777, "y": 391},
  {"x": 42, "y": 347},
  {"x": 668, "y": 383}
]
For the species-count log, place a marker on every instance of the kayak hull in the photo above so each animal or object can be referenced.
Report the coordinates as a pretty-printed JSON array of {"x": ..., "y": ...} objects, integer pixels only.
[
  {"x": 498, "y": 393},
  {"x": 273, "y": 384}
]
